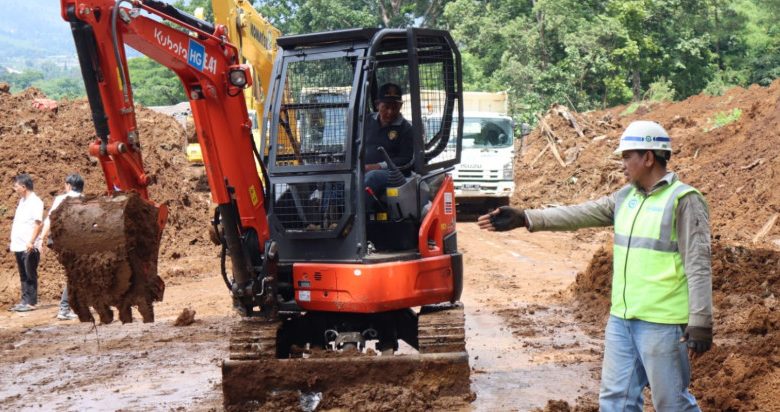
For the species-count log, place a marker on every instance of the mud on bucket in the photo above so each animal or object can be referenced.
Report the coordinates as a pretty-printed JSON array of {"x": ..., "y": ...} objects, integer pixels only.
[{"x": 109, "y": 248}]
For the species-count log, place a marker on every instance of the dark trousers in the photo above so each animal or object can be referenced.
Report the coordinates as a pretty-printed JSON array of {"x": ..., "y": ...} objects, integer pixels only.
[{"x": 28, "y": 275}]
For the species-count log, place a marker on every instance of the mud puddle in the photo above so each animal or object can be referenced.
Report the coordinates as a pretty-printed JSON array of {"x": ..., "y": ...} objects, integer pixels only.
[
  {"x": 510, "y": 374},
  {"x": 70, "y": 368}
]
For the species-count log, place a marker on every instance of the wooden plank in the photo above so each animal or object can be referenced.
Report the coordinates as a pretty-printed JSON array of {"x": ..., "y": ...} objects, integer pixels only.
[
  {"x": 548, "y": 133},
  {"x": 766, "y": 229}
]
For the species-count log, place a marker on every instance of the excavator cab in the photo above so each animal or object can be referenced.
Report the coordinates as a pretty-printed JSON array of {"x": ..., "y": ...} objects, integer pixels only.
[
  {"x": 322, "y": 96},
  {"x": 326, "y": 84}
]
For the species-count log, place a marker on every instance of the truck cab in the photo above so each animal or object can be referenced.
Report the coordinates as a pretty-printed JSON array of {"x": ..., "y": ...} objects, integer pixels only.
[{"x": 485, "y": 177}]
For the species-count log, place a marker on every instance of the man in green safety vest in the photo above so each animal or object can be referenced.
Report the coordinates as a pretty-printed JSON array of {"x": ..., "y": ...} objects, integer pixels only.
[{"x": 661, "y": 309}]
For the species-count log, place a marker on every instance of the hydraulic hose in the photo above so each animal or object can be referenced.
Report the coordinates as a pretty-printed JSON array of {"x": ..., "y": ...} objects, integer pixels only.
[{"x": 86, "y": 49}]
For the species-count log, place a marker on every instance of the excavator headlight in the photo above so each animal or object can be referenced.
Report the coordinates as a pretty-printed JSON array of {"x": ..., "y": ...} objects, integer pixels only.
[{"x": 238, "y": 78}]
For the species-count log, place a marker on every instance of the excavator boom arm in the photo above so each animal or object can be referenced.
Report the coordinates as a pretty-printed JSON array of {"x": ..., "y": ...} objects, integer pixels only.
[{"x": 209, "y": 69}]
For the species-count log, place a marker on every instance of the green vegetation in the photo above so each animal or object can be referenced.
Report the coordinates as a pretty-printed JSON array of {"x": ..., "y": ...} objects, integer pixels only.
[
  {"x": 587, "y": 54},
  {"x": 601, "y": 54},
  {"x": 56, "y": 81},
  {"x": 660, "y": 91},
  {"x": 724, "y": 118},
  {"x": 154, "y": 84},
  {"x": 633, "y": 107}
]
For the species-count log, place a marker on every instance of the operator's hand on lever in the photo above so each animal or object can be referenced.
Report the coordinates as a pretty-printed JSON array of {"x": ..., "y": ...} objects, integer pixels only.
[{"x": 502, "y": 219}]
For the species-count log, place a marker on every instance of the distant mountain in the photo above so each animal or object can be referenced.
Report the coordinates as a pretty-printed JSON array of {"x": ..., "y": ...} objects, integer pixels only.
[{"x": 33, "y": 29}]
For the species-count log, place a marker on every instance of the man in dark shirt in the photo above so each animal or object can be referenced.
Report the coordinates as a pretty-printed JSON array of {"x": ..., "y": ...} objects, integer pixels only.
[{"x": 388, "y": 129}]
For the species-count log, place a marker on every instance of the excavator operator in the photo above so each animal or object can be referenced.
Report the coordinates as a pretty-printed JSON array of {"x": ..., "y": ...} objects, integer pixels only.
[{"x": 386, "y": 128}]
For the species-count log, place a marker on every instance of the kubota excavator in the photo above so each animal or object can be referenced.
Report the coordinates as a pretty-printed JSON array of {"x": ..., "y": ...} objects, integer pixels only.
[{"x": 317, "y": 265}]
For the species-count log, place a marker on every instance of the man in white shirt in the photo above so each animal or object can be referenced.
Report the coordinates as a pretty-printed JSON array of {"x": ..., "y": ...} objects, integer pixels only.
[
  {"x": 74, "y": 186},
  {"x": 25, "y": 242}
]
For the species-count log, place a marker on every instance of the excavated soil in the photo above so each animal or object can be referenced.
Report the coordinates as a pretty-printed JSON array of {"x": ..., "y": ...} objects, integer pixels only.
[
  {"x": 50, "y": 144},
  {"x": 108, "y": 247},
  {"x": 737, "y": 167},
  {"x": 361, "y": 383},
  {"x": 742, "y": 371}
]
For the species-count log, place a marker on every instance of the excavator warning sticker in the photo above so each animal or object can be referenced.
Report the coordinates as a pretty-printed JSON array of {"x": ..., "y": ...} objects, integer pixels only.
[
  {"x": 253, "y": 195},
  {"x": 304, "y": 295},
  {"x": 448, "y": 203}
]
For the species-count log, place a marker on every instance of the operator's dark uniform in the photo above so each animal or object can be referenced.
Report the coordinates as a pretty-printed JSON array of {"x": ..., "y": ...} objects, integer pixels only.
[{"x": 396, "y": 138}]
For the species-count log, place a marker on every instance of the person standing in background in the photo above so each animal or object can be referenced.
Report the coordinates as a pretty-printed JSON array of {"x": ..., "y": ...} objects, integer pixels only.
[
  {"x": 25, "y": 240},
  {"x": 74, "y": 186}
]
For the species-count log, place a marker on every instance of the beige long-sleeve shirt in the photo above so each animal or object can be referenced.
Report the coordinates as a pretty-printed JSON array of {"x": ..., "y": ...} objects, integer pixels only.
[{"x": 693, "y": 239}]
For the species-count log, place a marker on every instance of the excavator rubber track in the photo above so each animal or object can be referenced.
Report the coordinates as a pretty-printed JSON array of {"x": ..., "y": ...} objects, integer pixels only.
[{"x": 253, "y": 375}]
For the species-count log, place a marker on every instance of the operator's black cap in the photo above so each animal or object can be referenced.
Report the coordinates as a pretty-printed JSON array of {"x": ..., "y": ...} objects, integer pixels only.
[{"x": 390, "y": 92}]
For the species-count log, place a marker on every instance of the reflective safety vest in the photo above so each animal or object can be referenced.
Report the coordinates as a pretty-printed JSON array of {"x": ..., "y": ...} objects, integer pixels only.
[{"x": 648, "y": 279}]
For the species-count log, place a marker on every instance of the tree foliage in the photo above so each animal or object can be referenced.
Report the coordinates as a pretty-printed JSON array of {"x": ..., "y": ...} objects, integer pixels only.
[
  {"x": 586, "y": 53},
  {"x": 601, "y": 53},
  {"x": 154, "y": 84}
]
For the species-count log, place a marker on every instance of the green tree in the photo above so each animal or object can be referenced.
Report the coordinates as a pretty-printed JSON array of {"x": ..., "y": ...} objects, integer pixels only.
[
  {"x": 307, "y": 16},
  {"x": 21, "y": 81},
  {"x": 154, "y": 84},
  {"x": 62, "y": 87}
]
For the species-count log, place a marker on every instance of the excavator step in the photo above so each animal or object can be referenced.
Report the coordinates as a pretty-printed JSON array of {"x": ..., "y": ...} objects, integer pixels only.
[{"x": 253, "y": 375}]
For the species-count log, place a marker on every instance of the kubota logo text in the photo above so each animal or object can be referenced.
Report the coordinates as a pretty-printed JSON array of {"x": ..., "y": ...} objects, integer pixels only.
[{"x": 195, "y": 53}]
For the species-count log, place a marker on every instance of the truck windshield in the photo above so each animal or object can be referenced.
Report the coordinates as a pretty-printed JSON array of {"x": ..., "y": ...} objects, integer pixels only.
[
  {"x": 481, "y": 132},
  {"x": 478, "y": 132}
]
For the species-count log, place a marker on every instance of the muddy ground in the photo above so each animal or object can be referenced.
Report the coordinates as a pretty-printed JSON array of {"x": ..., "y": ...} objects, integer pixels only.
[
  {"x": 533, "y": 324},
  {"x": 524, "y": 345}
]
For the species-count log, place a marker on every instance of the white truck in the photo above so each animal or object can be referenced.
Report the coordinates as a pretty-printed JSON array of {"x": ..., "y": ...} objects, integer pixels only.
[{"x": 484, "y": 179}]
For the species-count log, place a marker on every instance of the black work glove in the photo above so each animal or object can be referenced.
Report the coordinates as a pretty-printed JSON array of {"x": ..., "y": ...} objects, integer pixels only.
[
  {"x": 507, "y": 218},
  {"x": 699, "y": 339}
]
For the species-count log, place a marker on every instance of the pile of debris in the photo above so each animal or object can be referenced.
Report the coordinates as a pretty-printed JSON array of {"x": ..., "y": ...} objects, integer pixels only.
[{"x": 736, "y": 165}]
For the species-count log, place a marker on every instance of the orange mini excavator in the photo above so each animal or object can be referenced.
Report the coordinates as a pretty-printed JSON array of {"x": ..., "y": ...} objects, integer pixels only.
[{"x": 328, "y": 279}]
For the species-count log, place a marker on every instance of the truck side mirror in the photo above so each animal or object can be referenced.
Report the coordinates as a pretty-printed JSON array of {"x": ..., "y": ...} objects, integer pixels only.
[{"x": 525, "y": 129}]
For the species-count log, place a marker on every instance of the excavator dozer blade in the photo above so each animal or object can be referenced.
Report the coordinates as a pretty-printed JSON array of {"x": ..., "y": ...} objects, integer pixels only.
[
  {"x": 109, "y": 247},
  {"x": 253, "y": 376}
]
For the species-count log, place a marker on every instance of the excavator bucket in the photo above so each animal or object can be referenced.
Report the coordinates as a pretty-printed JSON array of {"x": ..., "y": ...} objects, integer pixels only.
[
  {"x": 254, "y": 376},
  {"x": 109, "y": 247}
]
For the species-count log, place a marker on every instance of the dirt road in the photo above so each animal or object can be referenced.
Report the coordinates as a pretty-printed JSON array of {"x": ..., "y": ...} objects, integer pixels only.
[{"x": 525, "y": 347}]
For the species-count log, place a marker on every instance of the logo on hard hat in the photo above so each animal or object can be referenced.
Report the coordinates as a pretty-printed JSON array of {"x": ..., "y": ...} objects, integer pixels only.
[
  {"x": 648, "y": 139},
  {"x": 392, "y": 91}
]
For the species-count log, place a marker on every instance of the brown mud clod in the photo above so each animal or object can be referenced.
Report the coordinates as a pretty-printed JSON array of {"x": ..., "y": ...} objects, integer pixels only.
[{"x": 108, "y": 247}]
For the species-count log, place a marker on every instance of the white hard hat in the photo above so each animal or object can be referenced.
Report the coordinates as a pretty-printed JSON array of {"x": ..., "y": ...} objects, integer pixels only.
[{"x": 644, "y": 135}]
